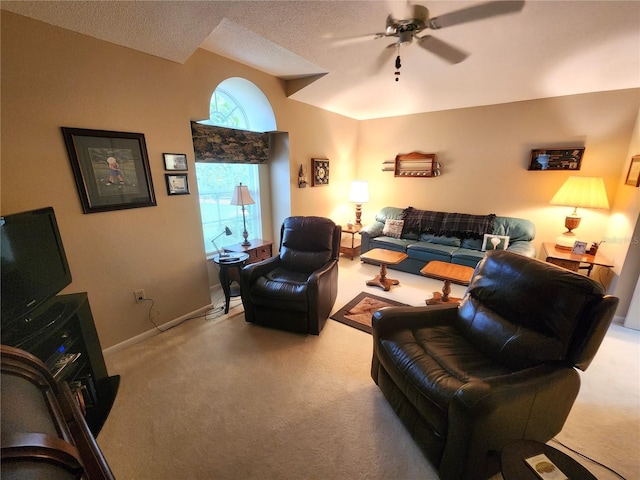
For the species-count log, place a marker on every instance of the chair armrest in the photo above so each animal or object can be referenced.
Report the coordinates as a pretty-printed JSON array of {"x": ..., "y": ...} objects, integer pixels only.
[
  {"x": 315, "y": 276},
  {"x": 391, "y": 319},
  {"x": 255, "y": 270}
]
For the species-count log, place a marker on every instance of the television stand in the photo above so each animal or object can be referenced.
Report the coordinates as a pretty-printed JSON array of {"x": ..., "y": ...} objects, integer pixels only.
[{"x": 67, "y": 342}]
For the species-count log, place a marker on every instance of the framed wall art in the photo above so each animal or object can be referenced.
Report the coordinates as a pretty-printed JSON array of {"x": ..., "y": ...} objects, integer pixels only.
[
  {"x": 175, "y": 161},
  {"x": 633, "y": 175},
  {"x": 319, "y": 172},
  {"x": 176, "y": 184},
  {"x": 556, "y": 158},
  {"x": 111, "y": 169}
]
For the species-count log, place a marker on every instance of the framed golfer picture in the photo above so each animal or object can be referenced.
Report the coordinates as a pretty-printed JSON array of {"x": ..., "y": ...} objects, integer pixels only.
[{"x": 111, "y": 169}]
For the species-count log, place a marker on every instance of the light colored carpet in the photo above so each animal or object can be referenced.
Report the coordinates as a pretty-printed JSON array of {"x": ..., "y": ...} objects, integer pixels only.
[{"x": 225, "y": 399}]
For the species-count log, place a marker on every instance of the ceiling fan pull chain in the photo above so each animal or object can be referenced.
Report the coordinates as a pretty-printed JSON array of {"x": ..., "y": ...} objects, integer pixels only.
[{"x": 398, "y": 65}]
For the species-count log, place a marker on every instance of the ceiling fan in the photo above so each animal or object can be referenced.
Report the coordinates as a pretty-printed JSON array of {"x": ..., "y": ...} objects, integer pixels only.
[{"x": 407, "y": 30}]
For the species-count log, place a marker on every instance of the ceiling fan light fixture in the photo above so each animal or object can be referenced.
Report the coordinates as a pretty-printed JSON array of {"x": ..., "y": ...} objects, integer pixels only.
[{"x": 405, "y": 38}]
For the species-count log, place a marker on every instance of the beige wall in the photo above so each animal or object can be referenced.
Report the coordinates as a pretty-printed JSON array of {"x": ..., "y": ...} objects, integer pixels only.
[
  {"x": 485, "y": 151},
  {"x": 53, "y": 78}
]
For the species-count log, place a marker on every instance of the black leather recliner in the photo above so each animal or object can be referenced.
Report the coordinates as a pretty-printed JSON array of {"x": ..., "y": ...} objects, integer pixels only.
[
  {"x": 468, "y": 380},
  {"x": 295, "y": 290}
]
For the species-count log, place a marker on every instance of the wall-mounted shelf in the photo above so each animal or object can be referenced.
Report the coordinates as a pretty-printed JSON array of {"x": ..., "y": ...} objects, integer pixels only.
[{"x": 417, "y": 165}]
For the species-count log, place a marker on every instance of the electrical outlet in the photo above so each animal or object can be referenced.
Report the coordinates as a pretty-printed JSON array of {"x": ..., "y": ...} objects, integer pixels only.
[{"x": 139, "y": 294}]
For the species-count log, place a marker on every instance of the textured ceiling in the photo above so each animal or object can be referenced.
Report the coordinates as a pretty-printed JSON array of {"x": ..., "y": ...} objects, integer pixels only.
[{"x": 549, "y": 48}]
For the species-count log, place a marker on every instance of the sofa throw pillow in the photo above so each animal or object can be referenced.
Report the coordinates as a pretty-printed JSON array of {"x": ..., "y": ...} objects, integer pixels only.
[
  {"x": 393, "y": 228},
  {"x": 495, "y": 242}
]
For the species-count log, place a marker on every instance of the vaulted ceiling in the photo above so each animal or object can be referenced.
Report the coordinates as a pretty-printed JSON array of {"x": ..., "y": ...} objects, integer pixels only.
[{"x": 327, "y": 52}]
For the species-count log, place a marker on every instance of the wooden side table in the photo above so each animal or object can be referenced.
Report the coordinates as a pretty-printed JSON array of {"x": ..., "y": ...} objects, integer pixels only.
[
  {"x": 384, "y": 258},
  {"x": 564, "y": 258},
  {"x": 230, "y": 275},
  {"x": 257, "y": 250},
  {"x": 449, "y": 272},
  {"x": 350, "y": 248}
]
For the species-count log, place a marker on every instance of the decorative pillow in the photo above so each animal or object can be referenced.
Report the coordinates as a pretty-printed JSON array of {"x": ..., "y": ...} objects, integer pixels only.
[
  {"x": 495, "y": 242},
  {"x": 393, "y": 228}
]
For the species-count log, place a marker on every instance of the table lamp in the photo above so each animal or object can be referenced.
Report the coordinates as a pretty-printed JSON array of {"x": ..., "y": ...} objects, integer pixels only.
[
  {"x": 586, "y": 192},
  {"x": 227, "y": 231},
  {"x": 242, "y": 197},
  {"x": 359, "y": 194}
]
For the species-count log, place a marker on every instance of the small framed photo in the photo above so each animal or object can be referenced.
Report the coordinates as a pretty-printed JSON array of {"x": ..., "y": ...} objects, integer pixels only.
[
  {"x": 319, "y": 172},
  {"x": 495, "y": 242},
  {"x": 111, "y": 169},
  {"x": 556, "y": 158},
  {"x": 177, "y": 184},
  {"x": 175, "y": 161},
  {"x": 633, "y": 175},
  {"x": 579, "y": 248}
]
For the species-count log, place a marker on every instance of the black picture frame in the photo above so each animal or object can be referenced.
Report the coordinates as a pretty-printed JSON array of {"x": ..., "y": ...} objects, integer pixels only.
[
  {"x": 111, "y": 169},
  {"x": 177, "y": 184},
  {"x": 546, "y": 159},
  {"x": 175, "y": 161},
  {"x": 320, "y": 172}
]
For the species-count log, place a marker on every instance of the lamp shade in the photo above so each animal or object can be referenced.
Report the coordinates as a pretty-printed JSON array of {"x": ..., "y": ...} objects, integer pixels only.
[
  {"x": 241, "y": 196},
  {"x": 587, "y": 192},
  {"x": 359, "y": 192}
]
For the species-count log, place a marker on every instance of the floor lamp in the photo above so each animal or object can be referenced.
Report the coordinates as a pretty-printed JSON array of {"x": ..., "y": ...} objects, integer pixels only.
[{"x": 242, "y": 197}]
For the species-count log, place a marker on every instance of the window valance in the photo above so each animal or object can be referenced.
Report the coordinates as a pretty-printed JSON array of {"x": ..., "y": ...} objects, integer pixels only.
[{"x": 213, "y": 144}]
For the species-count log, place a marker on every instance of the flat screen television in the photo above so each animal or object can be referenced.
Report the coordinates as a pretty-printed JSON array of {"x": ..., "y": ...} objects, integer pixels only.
[{"x": 34, "y": 265}]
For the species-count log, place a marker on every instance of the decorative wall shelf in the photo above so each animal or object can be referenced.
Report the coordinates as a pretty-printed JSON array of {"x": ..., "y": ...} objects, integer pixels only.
[{"x": 416, "y": 165}]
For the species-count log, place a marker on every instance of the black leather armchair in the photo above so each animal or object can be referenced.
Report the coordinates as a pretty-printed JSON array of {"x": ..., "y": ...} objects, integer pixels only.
[
  {"x": 502, "y": 366},
  {"x": 295, "y": 290}
]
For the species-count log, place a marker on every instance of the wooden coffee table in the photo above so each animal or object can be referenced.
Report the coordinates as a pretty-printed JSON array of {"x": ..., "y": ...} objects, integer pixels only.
[
  {"x": 384, "y": 258},
  {"x": 449, "y": 272}
]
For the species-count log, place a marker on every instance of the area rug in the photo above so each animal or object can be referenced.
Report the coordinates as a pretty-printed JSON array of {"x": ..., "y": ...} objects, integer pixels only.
[{"x": 357, "y": 313}]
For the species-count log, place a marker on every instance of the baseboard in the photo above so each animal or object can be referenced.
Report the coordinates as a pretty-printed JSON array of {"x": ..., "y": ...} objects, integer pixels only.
[{"x": 154, "y": 331}]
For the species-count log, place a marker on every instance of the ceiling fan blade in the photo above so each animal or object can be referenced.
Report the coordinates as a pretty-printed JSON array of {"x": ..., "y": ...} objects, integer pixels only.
[
  {"x": 477, "y": 12},
  {"x": 346, "y": 41},
  {"x": 420, "y": 12},
  {"x": 383, "y": 58},
  {"x": 442, "y": 49}
]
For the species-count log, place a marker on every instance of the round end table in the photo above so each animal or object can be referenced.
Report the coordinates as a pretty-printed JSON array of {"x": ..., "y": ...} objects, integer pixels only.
[{"x": 230, "y": 266}]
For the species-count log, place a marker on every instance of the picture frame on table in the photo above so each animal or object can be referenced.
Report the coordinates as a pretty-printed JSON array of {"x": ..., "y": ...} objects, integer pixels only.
[
  {"x": 556, "y": 158},
  {"x": 319, "y": 172},
  {"x": 111, "y": 169},
  {"x": 177, "y": 184},
  {"x": 579, "y": 248},
  {"x": 633, "y": 175},
  {"x": 175, "y": 161}
]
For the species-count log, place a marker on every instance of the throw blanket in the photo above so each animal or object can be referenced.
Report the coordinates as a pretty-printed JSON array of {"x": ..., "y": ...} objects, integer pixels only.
[
  {"x": 459, "y": 225},
  {"x": 462, "y": 225},
  {"x": 421, "y": 221}
]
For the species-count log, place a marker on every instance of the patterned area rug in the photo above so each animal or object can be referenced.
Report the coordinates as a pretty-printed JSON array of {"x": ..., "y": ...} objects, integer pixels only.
[{"x": 357, "y": 313}]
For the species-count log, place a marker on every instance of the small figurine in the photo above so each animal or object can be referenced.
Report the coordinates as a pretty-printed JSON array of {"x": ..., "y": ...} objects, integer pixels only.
[
  {"x": 594, "y": 248},
  {"x": 302, "y": 177}
]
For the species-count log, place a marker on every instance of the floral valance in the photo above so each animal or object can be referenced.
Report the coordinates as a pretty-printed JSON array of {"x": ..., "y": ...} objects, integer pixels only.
[{"x": 214, "y": 144}]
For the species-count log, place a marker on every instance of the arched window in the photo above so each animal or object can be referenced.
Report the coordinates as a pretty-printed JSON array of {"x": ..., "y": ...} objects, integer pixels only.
[{"x": 235, "y": 103}]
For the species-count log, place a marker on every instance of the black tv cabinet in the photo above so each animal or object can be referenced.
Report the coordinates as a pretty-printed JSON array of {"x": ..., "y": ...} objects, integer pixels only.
[{"x": 63, "y": 335}]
